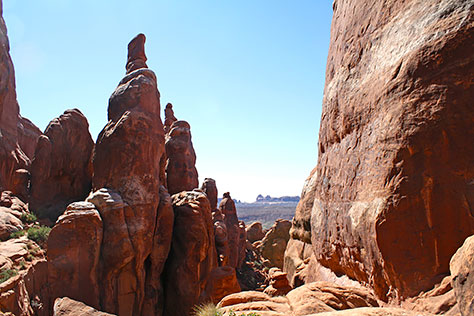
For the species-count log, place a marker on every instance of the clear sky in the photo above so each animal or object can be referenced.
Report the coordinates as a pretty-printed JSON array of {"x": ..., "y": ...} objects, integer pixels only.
[{"x": 247, "y": 75}]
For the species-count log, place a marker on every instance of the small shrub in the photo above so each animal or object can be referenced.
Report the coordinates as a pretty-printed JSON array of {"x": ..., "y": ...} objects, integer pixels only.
[
  {"x": 39, "y": 234},
  {"x": 22, "y": 264},
  {"x": 208, "y": 309},
  {"x": 17, "y": 234},
  {"x": 28, "y": 217},
  {"x": 6, "y": 274},
  {"x": 232, "y": 313}
]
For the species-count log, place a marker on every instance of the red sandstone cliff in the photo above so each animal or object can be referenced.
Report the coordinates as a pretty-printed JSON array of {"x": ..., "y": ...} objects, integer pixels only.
[{"x": 393, "y": 193}]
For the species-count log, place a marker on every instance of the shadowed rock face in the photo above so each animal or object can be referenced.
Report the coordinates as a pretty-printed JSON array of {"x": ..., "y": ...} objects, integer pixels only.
[
  {"x": 394, "y": 190},
  {"x": 181, "y": 172},
  {"x": 61, "y": 172}
]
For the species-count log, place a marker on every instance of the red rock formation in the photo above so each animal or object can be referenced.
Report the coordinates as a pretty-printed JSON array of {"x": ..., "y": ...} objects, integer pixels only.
[
  {"x": 255, "y": 232},
  {"x": 133, "y": 205},
  {"x": 76, "y": 262},
  {"x": 126, "y": 182},
  {"x": 181, "y": 172},
  {"x": 227, "y": 207},
  {"x": 393, "y": 190},
  {"x": 192, "y": 256},
  {"x": 169, "y": 117},
  {"x": 61, "y": 170}
]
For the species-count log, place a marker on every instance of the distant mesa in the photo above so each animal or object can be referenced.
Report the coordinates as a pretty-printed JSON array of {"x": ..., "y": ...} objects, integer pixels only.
[{"x": 268, "y": 198}]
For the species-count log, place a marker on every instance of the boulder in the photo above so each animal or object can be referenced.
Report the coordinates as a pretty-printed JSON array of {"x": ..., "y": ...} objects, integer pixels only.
[
  {"x": 255, "y": 302},
  {"x": 65, "y": 306},
  {"x": 255, "y": 232},
  {"x": 74, "y": 252},
  {"x": 61, "y": 170},
  {"x": 393, "y": 192},
  {"x": 193, "y": 254},
  {"x": 181, "y": 173},
  {"x": 272, "y": 246},
  {"x": 462, "y": 271},
  {"x": 278, "y": 281}
]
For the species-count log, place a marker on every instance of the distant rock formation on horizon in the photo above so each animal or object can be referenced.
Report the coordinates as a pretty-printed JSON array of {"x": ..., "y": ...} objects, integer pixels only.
[{"x": 268, "y": 198}]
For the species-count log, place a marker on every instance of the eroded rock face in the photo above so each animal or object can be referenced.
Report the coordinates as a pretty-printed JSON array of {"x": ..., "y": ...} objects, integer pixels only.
[
  {"x": 192, "y": 256},
  {"x": 61, "y": 170},
  {"x": 181, "y": 172},
  {"x": 462, "y": 270},
  {"x": 393, "y": 190},
  {"x": 221, "y": 238}
]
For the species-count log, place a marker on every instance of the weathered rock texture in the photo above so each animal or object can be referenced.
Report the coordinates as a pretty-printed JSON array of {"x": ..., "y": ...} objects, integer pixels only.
[
  {"x": 181, "y": 172},
  {"x": 236, "y": 247},
  {"x": 462, "y": 270},
  {"x": 393, "y": 191},
  {"x": 28, "y": 134},
  {"x": 192, "y": 256},
  {"x": 61, "y": 171},
  {"x": 221, "y": 238},
  {"x": 221, "y": 282},
  {"x": 13, "y": 132}
]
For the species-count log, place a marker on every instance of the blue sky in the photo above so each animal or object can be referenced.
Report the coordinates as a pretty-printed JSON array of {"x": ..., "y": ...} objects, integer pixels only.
[{"x": 247, "y": 75}]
